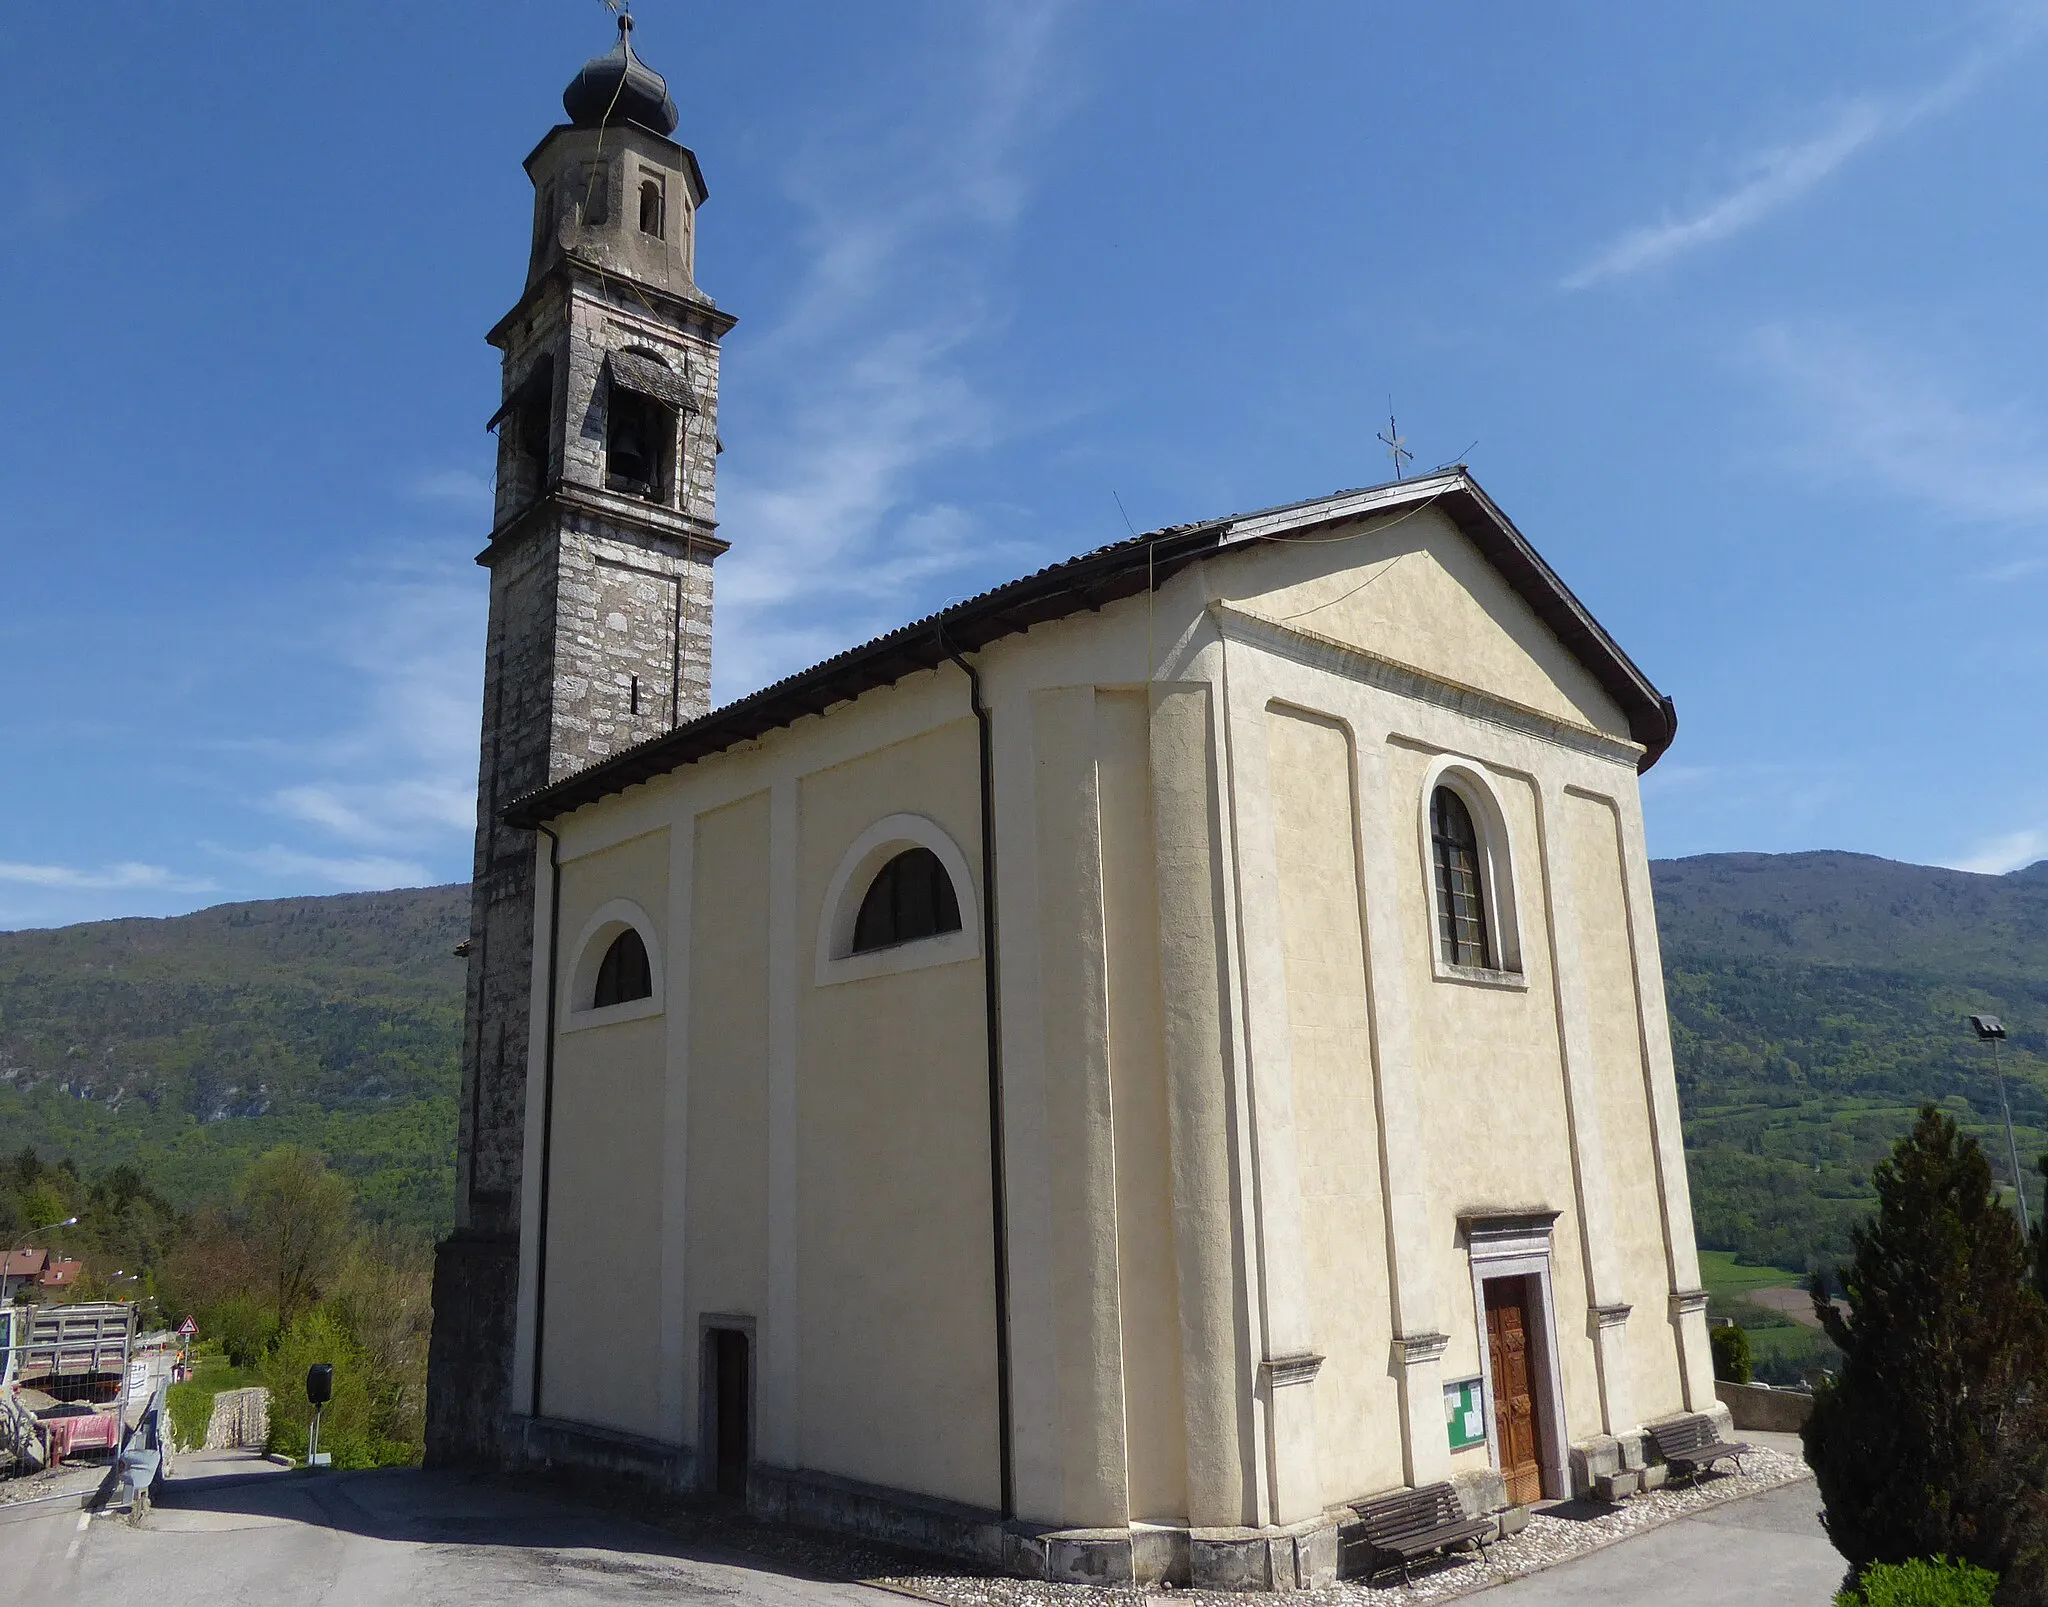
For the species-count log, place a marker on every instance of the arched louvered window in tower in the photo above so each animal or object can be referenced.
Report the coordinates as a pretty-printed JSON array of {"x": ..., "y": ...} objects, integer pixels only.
[
  {"x": 910, "y": 897},
  {"x": 1460, "y": 888},
  {"x": 624, "y": 975}
]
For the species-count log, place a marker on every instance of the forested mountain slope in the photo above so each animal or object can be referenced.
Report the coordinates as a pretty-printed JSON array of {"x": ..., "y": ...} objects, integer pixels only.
[
  {"x": 191, "y": 1044},
  {"x": 1816, "y": 1000}
]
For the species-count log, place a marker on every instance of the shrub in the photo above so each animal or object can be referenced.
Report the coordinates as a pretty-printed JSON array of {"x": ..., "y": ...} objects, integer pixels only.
[
  {"x": 355, "y": 1426},
  {"x": 1923, "y": 1582},
  {"x": 191, "y": 1410},
  {"x": 1732, "y": 1355}
]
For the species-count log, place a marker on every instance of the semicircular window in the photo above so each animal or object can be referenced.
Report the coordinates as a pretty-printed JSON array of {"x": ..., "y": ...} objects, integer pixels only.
[
  {"x": 624, "y": 975},
  {"x": 911, "y": 897}
]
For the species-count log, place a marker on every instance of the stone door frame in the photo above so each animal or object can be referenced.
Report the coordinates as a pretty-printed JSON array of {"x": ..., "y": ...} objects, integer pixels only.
[{"x": 1517, "y": 1245}]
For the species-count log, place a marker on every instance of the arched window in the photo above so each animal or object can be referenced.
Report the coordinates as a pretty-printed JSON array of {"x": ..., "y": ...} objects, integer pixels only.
[
  {"x": 1460, "y": 887},
  {"x": 651, "y": 207},
  {"x": 910, "y": 897},
  {"x": 624, "y": 975}
]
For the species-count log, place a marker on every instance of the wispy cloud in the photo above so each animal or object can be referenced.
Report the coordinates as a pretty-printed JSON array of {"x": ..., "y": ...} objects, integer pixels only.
[
  {"x": 394, "y": 783},
  {"x": 354, "y": 873},
  {"x": 125, "y": 876},
  {"x": 866, "y": 370},
  {"x": 1998, "y": 855},
  {"x": 1859, "y": 410},
  {"x": 1777, "y": 175}
]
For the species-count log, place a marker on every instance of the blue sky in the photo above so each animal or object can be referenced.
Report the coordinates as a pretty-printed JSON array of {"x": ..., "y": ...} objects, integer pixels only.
[{"x": 1742, "y": 306}]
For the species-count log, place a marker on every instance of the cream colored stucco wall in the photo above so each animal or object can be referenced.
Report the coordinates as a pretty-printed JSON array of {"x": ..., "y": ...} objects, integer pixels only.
[
  {"x": 601, "y": 1339},
  {"x": 1494, "y": 1107},
  {"x": 726, "y": 1200},
  {"x": 1417, "y": 591},
  {"x": 1080, "y": 1129},
  {"x": 1343, "y": 1216},
  {"x": 896, "y": 1372},
  {"x": 1209, "y": 892},
  {"x": 1148, "y": 1289},
  {"x": 1602, "y": 915}
]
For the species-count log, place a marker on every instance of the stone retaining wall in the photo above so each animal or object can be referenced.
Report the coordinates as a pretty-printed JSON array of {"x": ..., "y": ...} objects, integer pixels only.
[
  {"x": 1758, "y": 1406},
  {"x": 241, "y": 1417}
]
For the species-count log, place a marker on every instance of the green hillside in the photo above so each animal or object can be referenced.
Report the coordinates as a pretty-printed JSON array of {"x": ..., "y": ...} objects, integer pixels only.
[
  {"x": 1816, "y": 1001},
  {"x": 188, "y": 1046}
]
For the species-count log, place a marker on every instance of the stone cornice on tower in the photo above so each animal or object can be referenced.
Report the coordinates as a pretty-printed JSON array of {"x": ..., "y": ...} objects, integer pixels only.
[{"x": 691, "y": 310}]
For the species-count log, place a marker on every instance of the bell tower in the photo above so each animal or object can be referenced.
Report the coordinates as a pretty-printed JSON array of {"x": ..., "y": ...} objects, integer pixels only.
[{"x": 603, "y": 536}]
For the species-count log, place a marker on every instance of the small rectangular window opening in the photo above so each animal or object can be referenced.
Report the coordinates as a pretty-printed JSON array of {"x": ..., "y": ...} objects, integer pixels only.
[
  {"x": 653, "y": 205},
  {"x": 543, "y": 213},
  {"x": 636, "y": 694},
  {"x": 594, "y": 189}
]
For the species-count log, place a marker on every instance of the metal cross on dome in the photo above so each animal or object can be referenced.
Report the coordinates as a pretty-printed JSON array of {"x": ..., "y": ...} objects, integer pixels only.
[{"x": 1396, "y": 442}]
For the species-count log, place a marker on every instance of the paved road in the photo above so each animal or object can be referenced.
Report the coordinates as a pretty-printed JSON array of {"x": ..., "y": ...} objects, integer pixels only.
[
  {"x": 366, "y": 1539},
  {"x": 1765, "y": 1551}
]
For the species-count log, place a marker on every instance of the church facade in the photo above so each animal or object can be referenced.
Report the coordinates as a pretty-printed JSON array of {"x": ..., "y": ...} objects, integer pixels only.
[{"x": 1101, "y": 1078}]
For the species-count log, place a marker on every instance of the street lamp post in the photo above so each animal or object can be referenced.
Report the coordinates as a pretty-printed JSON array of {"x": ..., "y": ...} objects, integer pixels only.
[{"x": 1992, "y": 1031}]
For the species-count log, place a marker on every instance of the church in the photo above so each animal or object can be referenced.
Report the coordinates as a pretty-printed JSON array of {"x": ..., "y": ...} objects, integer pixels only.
[{"x": 1101, "y": 1079}]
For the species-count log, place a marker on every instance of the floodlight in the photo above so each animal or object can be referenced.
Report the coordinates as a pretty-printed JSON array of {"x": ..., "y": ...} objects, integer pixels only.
[{"x": 1991, "y": 1032}]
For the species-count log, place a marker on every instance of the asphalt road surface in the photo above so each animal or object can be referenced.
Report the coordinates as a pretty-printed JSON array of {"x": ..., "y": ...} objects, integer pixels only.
[
  {"x": 366, "y": 1539},
  {"x": 1764, "y": 1551},
  {"x": 224, "y": 1535}
]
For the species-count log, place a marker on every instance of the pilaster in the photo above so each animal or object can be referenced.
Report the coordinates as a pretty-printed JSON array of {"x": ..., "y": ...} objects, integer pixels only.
[
  {"x": 1286, "y": 1315},
  {"x": 1687, "y": 1302},
  {"x": 1207, "y": 1245},
  {"x": 1419, "y": 1339},
  {"x": 1608, "y": 1313}
]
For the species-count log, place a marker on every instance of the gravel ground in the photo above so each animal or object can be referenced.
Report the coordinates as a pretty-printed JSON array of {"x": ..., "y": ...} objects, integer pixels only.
[
  {"x": 1558, "y": 1535},
  {"x": 74, "y": 1478}
]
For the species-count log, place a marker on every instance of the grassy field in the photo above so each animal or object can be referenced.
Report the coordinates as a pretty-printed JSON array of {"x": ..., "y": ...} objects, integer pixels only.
[
  {"x": 1721, "y": 1277},
  {"x": 1784, "y": 1352}
]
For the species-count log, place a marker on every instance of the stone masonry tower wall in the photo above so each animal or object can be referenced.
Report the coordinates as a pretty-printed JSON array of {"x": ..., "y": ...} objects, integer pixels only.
[{"x": 604, "y": 533}]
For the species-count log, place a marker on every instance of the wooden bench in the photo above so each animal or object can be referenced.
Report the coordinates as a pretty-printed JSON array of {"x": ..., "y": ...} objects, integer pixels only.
[
  {"x": 1410, "y": 1524},
  {"x": 1690, "y": 1446}
]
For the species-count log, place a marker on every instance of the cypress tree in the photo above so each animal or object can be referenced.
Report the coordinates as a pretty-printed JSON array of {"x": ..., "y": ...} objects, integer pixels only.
[{"x": 1929, "y": 1444}]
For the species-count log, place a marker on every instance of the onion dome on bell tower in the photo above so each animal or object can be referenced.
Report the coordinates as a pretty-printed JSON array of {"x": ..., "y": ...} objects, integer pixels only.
[{"x": 620, "y": 88}]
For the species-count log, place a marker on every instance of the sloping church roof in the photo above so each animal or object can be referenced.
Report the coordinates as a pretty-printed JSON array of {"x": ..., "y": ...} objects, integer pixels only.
[{"x": 1124, "y": 569}]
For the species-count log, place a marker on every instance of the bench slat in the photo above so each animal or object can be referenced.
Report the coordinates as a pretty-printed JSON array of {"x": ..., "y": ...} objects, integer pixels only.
[
  {"x": 1694, "y": 1443},
  {"x": 1412, "y": 1524}
]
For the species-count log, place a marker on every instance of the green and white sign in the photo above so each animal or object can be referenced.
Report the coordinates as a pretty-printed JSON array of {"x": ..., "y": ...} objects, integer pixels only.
[{"x": 1465, "y": 1413}]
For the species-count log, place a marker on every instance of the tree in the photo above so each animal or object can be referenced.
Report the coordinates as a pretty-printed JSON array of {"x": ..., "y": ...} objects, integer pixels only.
[
  {"x": 296, "y": 1217},
  {"x": 1734, "y": 1357},
  {"x": 1929, "y": 1443}
]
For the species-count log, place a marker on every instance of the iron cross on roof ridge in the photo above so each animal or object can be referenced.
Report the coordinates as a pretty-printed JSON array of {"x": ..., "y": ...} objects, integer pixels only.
[{"x": 1396, "y": 443}]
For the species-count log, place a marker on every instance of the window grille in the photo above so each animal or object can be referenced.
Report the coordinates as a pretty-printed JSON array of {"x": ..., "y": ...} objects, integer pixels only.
[
  {"x": 911, "y": 897},
  {"x": 624, "y": 975},
  {"x": 1460, "y": 892}
]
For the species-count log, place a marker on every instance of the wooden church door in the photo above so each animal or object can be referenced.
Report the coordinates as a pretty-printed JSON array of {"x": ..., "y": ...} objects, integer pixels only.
[{"x": 1514, "y": 1395}]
